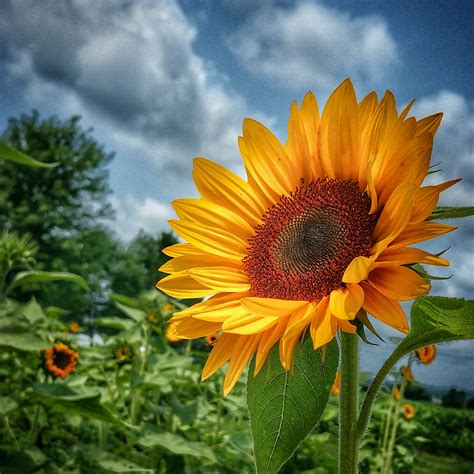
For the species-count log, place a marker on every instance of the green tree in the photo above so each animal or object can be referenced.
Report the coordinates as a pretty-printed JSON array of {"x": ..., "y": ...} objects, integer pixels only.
[{"x": 60, "y": 207}]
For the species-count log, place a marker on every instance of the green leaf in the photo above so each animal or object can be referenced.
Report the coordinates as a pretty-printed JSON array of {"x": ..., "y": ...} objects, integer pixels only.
[
  {"x": 85, "y": 403},
  {"x": 7, "y": 405},
  {"x": 177, "y": 445},
  {"x": 425, "y": 275},
  {"x": 284, "y": 405},
  {"x": 112, "y": 462},
  {"x": 134, "y": 313},
  {"x": 445, "y": 212},
  {"x": 112, "y": 322},
  {"x": 20, "y": 337},
  {"x": 23, "y": 278},
  {"x": 9, "y": 153},
  {"x": 33, "y": 311}
]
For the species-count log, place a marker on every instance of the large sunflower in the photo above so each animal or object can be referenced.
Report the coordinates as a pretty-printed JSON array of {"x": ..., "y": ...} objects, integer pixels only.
[{"x": 321, "y": 229}]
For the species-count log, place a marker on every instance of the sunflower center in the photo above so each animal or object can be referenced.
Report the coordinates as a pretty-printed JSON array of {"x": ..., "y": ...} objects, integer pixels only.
[
  {"x": 62, "y": 359},
  {"x": 308, "y": 239}
]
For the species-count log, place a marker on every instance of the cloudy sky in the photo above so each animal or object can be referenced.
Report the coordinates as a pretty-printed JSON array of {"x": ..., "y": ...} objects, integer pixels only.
[{"x": 164, "y": 81}]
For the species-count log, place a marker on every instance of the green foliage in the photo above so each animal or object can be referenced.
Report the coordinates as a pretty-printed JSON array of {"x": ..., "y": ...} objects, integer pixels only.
[
  {"x": 444, "y": 212},
  {"x": 285, "y": 406}
]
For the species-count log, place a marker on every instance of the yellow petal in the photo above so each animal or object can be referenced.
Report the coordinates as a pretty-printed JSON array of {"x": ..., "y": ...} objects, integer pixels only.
[
  {"x": 239, "y": 359},
  {"x": 271, "y": 306},
  {"x": 190, "y": 328},
  {"x": 403, "y": 256},
  {"x": 323, "y": 329},
  {"x": 384, "y": 309},
  {"x": 219, "y": 301},
  {"x": 301, "y": 318},
  {"x": 181, "y": 285},
  {"x": 346, "y": 326},
  {"x": 286, "y": 349},
  {"x": 345, "y": 303},
  {"x": 268, "y": 340},
  {"x": 426, "y": 198},
  {"x": 340, "y": 133},
  {"x": 398, "y": 283},
  {"x": 297, "y": 145},
  {"x": 371, "y": 191},
  {"x": 188, "y": 262},
  {"x": 357, "y": 270},
  {"x": 248, "y": 323},
  {"x": 221, "y": 279},
  {"x": 419, "y": 232},
  {"x": 429, "y": 124},
  {"x": 311, "y": 120},
  {"x": 219, "y": 185},
  {"x": 179, "y": 250},
  {"x": 267, "y": 161},
  {"x": 396, "y": 213},
  {"x": 212, "y": 215},
  {"x": 212, "y": 240},
  {"x": 220, "y": 354}
]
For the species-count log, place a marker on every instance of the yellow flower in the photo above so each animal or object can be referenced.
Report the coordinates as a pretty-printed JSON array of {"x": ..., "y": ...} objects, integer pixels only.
[
  {"x": 396, "y": 392},
  {"x": 167, "y": 307},
  {"x": 409, "y": 411},
  {"x": 426, "y": 354},
  {"x": 153, "y": 318},
  {"x": 171, "y": 335},
  {"x": 60, "y": 360},
  {"x": 336, "y": 386},
  {"x": 407, "y": 373},
  {"x": 321, "y": 229},
  {"x": 74, "y": 328}
]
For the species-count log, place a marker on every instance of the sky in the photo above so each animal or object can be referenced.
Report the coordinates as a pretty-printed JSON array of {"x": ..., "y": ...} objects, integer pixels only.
[{"x": 164, "y": 81}]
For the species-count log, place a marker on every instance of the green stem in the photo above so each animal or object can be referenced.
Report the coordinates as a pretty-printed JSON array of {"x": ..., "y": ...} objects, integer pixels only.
[
  {"x": 386, "y": 430},
  {"x": 348, "y": 439},
  {"x": 387, "y": 461},
  {"x": 34, "y": 426},
  {"x": 10, "y": 432},
  {"x": 136, "y": 395}
]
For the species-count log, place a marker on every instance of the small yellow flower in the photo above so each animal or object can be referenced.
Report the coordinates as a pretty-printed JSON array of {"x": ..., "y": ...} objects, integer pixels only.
[
  {"x": 153, "y": 318},
  {"x": 123, "y": 353},
  {"x": 167, "y": 307},
  {"x": 409, "y": 411},
  {"x": 74, "y": 328},
  {"x": 336, "y": 386},
  {"x": 60, "y": 360},
  {"x": 171, "y": 332},
  {"x": 426, "y": 354},
  {"x": 396, "y": 392},
  {"x": 407, "y": 373}
]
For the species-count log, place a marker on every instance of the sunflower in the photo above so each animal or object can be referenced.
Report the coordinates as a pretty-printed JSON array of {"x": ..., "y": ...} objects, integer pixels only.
[
  {"x": 396, "y": 393},
  {"x": 336, "y": 386},
  {"x": 409, "y": 411},
  {"x": 426, "y": 354},
  {"x": 60, "y": 360},
  {"x": 123, "y": 353},
  {"x": 320, "y": 230}
]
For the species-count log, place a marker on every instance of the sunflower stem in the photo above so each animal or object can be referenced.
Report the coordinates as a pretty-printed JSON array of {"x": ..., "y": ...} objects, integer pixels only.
[{"x": 348, "y": 439}]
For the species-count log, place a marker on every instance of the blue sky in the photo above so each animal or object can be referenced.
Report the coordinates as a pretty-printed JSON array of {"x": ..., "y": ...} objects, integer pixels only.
[{"x": 162, "y": 82}]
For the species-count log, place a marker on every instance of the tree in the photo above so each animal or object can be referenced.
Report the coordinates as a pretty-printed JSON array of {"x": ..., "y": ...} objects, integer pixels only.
[{"x": 60, "y": 207}]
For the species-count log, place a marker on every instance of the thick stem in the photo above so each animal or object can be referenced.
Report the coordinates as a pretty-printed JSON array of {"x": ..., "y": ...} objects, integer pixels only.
[{"x": 348, "y": 439}]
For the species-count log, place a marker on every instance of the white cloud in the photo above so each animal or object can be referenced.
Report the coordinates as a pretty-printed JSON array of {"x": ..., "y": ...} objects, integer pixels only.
[
  {"x": 133, "y": 215},
  {"x": 314, "y": 46},
  {"x": 129, "y": 68}
]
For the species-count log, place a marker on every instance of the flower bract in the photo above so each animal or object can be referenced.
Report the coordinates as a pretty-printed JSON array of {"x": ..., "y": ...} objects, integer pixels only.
[{"x": 320, "y": 230}]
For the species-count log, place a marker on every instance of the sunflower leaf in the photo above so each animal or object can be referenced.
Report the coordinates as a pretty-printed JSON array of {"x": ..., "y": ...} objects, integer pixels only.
[
  {"x": 284, "y": 405},
  {"x": 33, "y": 276},
  {"x": 445, "y": 212},
  {"x": 9, "y": 153}
]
